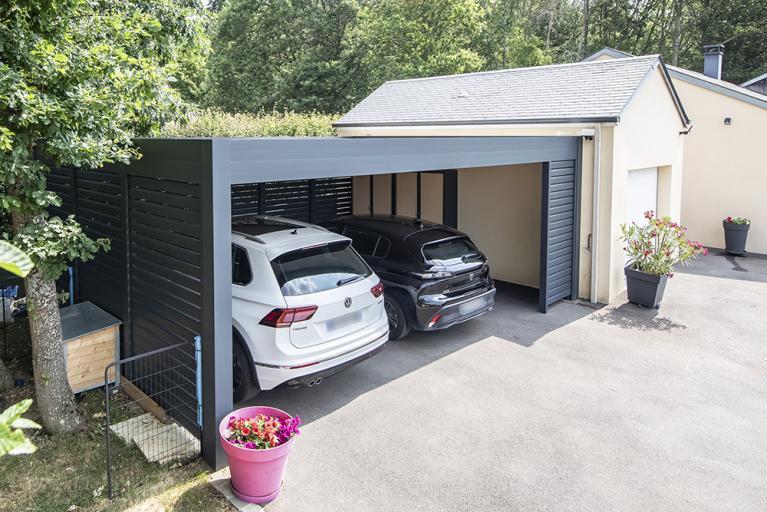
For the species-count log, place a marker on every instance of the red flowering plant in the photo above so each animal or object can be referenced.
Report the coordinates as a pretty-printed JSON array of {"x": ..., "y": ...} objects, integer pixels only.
[
  {"x": 657, "y": 246},
  {"x": 736, "y": 220},
  {"x": 262, "y": 431}
]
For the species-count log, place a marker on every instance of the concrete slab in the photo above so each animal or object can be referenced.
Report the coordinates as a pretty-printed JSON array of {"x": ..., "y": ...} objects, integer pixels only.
[
  {"x": 617, "y": 409},
  {"x": 158, "y": 442},
  {"x": 220, "y": 480}
]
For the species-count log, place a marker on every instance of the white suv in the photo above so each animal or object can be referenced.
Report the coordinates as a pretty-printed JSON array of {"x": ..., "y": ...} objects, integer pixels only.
[{"x": 305, "y": 305}]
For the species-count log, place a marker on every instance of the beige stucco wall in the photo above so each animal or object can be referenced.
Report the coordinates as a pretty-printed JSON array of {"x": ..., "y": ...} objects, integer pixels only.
[
  {"x": 725, "y": 170},
  {"x": 407, "y": 189},
  {"x": 500, "y": 208},
  {"x": 648, "y": 135}
]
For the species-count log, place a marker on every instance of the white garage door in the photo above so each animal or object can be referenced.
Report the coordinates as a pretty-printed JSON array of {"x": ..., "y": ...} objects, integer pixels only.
[{"x": 641, "y": 194}]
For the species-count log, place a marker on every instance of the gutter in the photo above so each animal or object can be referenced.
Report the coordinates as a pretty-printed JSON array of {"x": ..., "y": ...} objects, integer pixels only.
[
  {"x": 493, "y": 122},
  {"x": 595, "y": 213}
]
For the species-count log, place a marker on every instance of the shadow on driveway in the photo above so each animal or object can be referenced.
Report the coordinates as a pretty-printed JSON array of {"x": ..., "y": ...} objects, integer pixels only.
[
  {"x": 515, "y": 318},
  {"x": 751, "y": 267},
  {"x": 630, "y": 316}
]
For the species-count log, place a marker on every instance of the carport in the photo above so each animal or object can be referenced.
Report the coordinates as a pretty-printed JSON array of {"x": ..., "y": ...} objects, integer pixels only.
[{"x": 169, "y": 216}]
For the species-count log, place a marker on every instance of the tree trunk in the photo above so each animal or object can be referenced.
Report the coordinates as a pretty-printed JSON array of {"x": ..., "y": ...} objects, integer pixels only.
[
  {"x": 53, "y": 395},
  {"x": 584, "y": 30},
  {"x": 6, "y": 380},
  {"x": 677, "y": 32}
]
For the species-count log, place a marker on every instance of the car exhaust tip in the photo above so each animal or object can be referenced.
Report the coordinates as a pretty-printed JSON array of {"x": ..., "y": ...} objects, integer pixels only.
[{"x": 314, "y": 382}]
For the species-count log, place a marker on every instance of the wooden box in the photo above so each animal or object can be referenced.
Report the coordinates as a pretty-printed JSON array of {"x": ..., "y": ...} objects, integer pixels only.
[{"x": 91, "y": 342}]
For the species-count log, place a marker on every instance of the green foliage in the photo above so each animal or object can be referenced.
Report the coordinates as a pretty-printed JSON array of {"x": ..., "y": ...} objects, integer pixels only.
[
  {"x": 216, "y": 123},
  {"x": 325, "y": 55},
  {"x": 53, "y": 243},
  {"x": 737, "y": 220},
  {"x": 14, "y": 260},
  {"x": 283, "y": 54},
  {"x": 405, "y": 39},
  {"x": 85, "y": 77},
  {"x": 12, "y": 439}
]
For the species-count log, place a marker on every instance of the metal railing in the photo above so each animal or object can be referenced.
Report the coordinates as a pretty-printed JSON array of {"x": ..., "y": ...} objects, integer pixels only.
[{"x": 152, "y": 412}]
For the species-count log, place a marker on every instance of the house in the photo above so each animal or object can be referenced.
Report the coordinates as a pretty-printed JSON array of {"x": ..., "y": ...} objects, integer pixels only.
[
  {"x": 757, "y": 84},
  {"x": 632, "y": 128},
  {"x": 725, "y": 153}
]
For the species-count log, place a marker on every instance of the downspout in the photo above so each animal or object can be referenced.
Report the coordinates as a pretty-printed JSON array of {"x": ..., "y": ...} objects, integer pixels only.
[{"x": 595, "y": 212}]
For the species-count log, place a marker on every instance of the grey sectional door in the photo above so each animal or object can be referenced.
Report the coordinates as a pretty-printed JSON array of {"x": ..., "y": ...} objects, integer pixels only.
[{"x": 559, "y": 224}]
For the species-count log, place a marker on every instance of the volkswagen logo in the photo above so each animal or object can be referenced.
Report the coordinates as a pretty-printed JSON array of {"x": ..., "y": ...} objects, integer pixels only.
[{"x": 348, "y": 302}]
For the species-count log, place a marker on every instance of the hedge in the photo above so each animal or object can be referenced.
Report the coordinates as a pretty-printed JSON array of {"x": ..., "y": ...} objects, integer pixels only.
[{"x": 216, "y": 123}]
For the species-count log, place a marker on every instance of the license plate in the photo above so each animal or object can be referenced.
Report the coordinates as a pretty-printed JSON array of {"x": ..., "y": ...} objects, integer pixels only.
[
  {"x": 472, "y": 306},
  {"x": 343, "y": 322}
]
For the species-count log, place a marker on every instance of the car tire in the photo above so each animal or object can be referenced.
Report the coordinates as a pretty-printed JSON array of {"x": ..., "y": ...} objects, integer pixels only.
[
  {"x": 243, "y": 385},
  {"x": 398, "y": 323}
]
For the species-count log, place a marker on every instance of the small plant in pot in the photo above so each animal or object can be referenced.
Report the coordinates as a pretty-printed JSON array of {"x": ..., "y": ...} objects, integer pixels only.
[
  {"x": 257, "y": 442},
  {"x": 735, "y": 234},
  {"x": 654, "y": 249}
]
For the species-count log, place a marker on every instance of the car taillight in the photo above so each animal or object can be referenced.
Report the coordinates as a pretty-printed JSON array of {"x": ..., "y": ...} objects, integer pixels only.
[
  {"x": 377, "y": 290},
  {"x": 284, "y": 317}
]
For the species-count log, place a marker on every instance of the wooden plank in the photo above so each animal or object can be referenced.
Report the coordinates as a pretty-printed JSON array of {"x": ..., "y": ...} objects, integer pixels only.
[
  {"x": 143, "y": 400},
  {"x": 104, "y": 335}
]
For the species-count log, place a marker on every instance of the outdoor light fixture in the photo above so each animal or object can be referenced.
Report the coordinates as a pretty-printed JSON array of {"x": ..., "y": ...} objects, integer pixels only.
[{"x": 727, "y": 121}]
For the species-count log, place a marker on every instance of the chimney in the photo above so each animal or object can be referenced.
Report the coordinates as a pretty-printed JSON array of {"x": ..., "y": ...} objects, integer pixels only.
[{"x": 712, "y": 60}]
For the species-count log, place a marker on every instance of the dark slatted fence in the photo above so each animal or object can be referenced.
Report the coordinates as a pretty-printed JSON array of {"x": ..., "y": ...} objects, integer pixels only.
[
  {"x": 160, "y": 271},
  {"x": 99, "y": 209},
  {"x": 306, "y": 200},
  {"x": 165, "y": 277}
]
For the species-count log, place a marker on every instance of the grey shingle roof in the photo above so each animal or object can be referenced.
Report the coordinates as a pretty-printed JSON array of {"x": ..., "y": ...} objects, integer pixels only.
[{"x": 578, "y": 92}]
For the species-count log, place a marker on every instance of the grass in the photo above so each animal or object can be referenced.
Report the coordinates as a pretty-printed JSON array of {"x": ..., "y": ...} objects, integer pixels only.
[{"x": 67, "y": 473}]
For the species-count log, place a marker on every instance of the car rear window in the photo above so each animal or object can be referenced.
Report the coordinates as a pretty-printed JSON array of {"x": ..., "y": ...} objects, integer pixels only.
[
  {"x": 317, "y": 269},
  {"x": 449, "y": 250}
]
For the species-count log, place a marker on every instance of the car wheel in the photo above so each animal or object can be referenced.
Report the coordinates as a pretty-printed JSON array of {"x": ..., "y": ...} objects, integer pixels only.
[
  {"x": 243, "y": 386},
  {"x": 398, "y": 325}
]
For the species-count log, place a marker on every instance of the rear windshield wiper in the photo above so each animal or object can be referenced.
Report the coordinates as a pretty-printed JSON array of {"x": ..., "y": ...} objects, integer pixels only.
[{"x": 348, "y": 280}]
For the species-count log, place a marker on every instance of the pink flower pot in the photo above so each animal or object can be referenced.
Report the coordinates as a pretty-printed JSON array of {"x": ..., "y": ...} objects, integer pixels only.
[{"x": 256, "y": 474}]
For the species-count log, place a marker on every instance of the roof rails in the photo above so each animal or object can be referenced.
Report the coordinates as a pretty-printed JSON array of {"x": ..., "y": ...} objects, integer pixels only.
[
  {"x": 284, "y": 220},
  {"x": 249, "y": 237}
]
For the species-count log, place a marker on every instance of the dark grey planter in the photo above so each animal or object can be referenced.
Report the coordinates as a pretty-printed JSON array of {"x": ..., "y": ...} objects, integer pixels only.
[
  {"x": 644, "y": 289},
  {"x": 735, "y": 236}
]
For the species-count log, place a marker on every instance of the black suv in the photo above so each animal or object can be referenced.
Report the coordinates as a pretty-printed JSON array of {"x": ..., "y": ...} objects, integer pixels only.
[{"x": 433, "y": 275}]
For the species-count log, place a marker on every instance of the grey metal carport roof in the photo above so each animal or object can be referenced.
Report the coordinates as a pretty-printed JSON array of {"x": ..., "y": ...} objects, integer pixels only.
[{"x": 251, "y": 160}]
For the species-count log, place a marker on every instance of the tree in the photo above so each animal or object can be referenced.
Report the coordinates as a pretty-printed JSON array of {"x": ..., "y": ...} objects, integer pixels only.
[
  {"x": 509, "y": 38},
  {"x": 283, "y": 54},
  {"x": 741, "y": 25},
  {"x": 408, "y": 39},
  {"x": 78, "y": 80}
]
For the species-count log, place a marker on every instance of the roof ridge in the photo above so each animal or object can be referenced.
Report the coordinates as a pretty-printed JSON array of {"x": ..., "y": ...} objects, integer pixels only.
[
  {"x": 753, "y": 80},
  {"x": 654, "y": 56},
  {"x": 719, "y": 82}
]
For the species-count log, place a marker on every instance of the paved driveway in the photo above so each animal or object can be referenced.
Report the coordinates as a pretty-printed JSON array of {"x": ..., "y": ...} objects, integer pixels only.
[{"x": 615, "y": 409}]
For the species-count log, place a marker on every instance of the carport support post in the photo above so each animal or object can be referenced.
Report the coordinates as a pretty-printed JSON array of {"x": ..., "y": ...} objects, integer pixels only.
[
  {"x": 450, "y": 198},
  {"x": 215, "y": 197}
]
